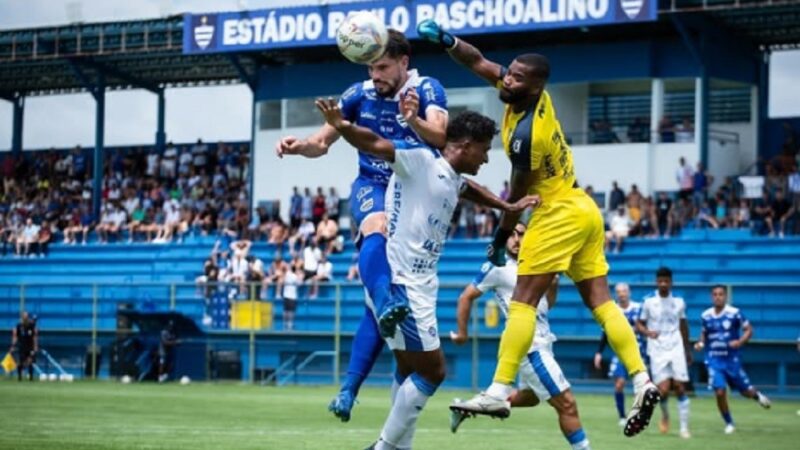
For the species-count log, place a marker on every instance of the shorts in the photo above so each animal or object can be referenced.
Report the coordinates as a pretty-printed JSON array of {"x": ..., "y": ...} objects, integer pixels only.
[
  {"x": 419, "y": 331},
  {"x": 669, "y": 364},
  {"x": 309, "y": 274},
  {"x": 541, "y": 373},
  {"x": 616, "y": 369},
  {"x": 366, "y": 197},
  {"x": 565, "y": 235},
  {"x": 289, "y": 305},
  {"x": 724, "y": 373}
]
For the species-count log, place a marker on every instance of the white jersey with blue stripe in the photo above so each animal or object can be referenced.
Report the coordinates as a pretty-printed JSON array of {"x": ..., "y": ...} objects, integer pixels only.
[
  {"x": 501, "y": 281},
  {"x": 362, "y": 105},
  {"x": 663, "y": 314},
  {"x": 420, "y": 200},
  {"x": 720, "y": 329}
]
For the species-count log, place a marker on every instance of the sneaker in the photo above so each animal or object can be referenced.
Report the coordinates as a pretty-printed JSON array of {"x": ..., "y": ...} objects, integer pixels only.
[
  {"x": 763, "y": 400},
  {"x": 341, "y": 405},
  {"x": 684, "y": 434},
  {"x": 663, "y": 425},
  {"x": 729, "y": 428},
  {"x": 643, "y": 405},
  {"x": 484, "y": 404},
  {"x": 457, "y": 417},
  {"x": 393, "y": 313}
]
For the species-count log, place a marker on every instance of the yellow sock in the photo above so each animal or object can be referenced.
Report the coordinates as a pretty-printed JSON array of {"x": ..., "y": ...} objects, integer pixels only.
[
  {"x": 515, "y": 341},
  {"x": 620, "y": 336}
]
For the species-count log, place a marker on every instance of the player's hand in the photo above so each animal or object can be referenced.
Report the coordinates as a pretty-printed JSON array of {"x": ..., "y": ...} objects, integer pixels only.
[
  {"x": 287, "y": 146},
  {"x": 735, "y": 343},
  {"x": 496, "y": 254},
  {"x": 529, "y": 201},
  {"x": 332, "y": 113},
  {"x": 598, "y": 361},
  {"x": 430, "y": 31},
  {"x": 699, "y": 345},
  {"x": 459, "y": 338},
  {"x": 409, "y": 105},
  {"x": 652, "y": 334}
]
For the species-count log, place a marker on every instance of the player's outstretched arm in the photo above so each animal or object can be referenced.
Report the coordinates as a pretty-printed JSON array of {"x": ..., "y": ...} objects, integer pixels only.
[
  {"x": 461, "y": 51},
  {"x": 313, "y": 146},
  {"x": 482, "y": 196},
  {"x": 433, "y": 130},
  {"x": 465, "y": 300},
  {"x": 359, "y": 137}
]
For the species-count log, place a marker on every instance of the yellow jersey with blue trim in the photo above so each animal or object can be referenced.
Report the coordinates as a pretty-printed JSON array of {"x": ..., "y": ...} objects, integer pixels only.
[{"x": 534, "y": 142}]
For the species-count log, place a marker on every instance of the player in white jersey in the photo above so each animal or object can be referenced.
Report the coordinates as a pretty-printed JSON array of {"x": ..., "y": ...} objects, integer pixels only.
[
  {"x": 423, "y": 192},
  {"x": 663, "y": 321},
  {"x": 541, "y": 378}
]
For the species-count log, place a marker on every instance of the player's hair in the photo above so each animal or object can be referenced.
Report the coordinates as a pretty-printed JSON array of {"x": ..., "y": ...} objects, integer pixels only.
[
  {"x": 622, "y": 286},
  {"x": 471, "y": 125},
  {"x": 539, "y": 64},
  {"x": 397, "y": 46},
  {"x": 664, "y": 272},
  {"x": 719, "y": 286}
]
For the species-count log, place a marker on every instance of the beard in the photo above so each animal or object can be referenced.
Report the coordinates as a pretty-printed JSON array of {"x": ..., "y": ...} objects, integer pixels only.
[
  {"x": 385, "y": 88},
  {"x": 510, "y": 97}
]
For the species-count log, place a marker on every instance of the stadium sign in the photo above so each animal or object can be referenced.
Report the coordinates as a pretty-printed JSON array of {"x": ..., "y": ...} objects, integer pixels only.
[{"x": 316, "y": 25}]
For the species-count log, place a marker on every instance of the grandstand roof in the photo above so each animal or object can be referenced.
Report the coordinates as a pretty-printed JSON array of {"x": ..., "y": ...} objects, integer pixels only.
[{"x": 148, "y": 53}]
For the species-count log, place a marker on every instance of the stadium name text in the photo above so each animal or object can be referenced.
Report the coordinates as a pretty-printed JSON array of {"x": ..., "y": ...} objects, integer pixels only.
[{"x": 304, "y": 26}]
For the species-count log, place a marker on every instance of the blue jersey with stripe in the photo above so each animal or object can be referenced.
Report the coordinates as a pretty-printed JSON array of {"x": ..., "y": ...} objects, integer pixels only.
[
  {"x": 719, "y": 329},
  {"x": 362, "y": 105},
  {"x": 632, "y": 314}
]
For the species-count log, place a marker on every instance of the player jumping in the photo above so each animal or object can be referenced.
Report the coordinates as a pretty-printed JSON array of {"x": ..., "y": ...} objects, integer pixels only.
[
  {"x": 540, "y": 375},
  {"x": 725, "y": 332},
  {"x": 565, "y": 235}
]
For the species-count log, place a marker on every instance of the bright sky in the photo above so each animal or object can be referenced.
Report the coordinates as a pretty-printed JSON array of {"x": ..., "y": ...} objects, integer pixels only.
[{"x": 210, "y": 113}]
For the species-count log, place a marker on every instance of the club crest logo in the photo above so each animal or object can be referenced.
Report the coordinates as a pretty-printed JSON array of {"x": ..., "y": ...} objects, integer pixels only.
[
  {"x": 632, "y": 8},
  {"x": 203, "y": 33}
]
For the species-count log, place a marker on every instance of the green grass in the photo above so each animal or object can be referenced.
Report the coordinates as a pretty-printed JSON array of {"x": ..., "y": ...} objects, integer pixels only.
[{"x": 109, "y": 415}]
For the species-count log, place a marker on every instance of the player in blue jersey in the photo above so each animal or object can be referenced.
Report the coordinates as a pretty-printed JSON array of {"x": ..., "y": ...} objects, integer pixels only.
[
  {"x": 616, "y": 370},
  {"x": 725, "y": 332},
  {"x": 375, "y": 104}
]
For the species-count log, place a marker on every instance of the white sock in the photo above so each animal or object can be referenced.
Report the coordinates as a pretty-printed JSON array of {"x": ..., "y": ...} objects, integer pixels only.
[
  {"x": 395, "y": 388},
  {"x": 408, "y": 437},
  {"x": 683, "y": 412},
  {"x": 582, "y": 445},
  {"x": 639, "y": 380},
  {"x": 499, "y": 390},
  {"x": 406, "y": 409},
  {"x": 381, "y": 445},
  {"x": 578, "y": 440}
]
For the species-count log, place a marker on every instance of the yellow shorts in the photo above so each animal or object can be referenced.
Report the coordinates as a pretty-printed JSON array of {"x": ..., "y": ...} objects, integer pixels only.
[{"x": 565, "y": 235}]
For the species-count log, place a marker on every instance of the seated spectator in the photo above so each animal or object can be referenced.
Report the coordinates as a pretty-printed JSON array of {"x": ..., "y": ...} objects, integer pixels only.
[
  {"x": 44, "y": 238},
  {"x": 304, "y": 234},
  {"x": 169, "y": 162},
  {"x": 666, "y": 129},
  {"x": 206, "y": 283},
  {"x": 311, "y": 258},
  {"x": 239, "y": 269},
  {"x": 332, "y": 205},
  {"x": 327, "y": 231},
  {"x": 740, "y": 216},
  {"x": 150, "y": 226},
  {"x": 323, "y": 275},
  {"x": 279, "y": 233},
  {"x": 705, "y": 216},
  {"x": 472, "y": 221},
  {"x": 647, "y": 225},
  {"x": 639, "y": 131},
  {"x": 762, "y": 215},
  {"x": 664, "y": 215},
  {"x": 634, "y": 204},
  {"x": 455, "y": 219},
  {"x": 28, "y": 236},
  {"x": 137, "y": 219},
  {"x": 274, "y": 274},
  {"x": 255, "y": 276},
  {"x": 684, "y": 131},
  {"x": 352, "y": 271},
  {"x": 619, "y": 229},
  {"x": 721, "y": 212},
  {"x": 783, "y": 211}
]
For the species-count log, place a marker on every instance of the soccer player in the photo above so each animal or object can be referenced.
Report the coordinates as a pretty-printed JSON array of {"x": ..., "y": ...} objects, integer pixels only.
[
  {"x": 540, "y": 375},
  {"x": 663, "y": 321},
  {"x": 616, "y": 370},
  {"x": 725, "y": 332},
  {"x": 422, "y": 195},
  {"x": 27, "y": 336},
  {"x": 374, "y": 104},
  {"x": 565, "y": 235}
]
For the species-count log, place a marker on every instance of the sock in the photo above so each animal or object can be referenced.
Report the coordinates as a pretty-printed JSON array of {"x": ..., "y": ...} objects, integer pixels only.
[
  {"x": 411, "y": 398},
  {"x": 619, "y": 399},
  {"x": 578, "y": 440},
  {"x": 367, "y": 346},
  {"x": 620, "y": 337},
  {"x": 664, "y": 408},
  {"x": 373, "y": 266},
  {"x": 397, "y": 381},
  {"x": 726, "y": 416},
  {"x": 683, "y": 411},
  {"x": 515, "y": 341}
]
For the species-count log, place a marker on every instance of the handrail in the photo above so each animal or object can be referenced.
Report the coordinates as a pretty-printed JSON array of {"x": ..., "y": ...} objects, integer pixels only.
[{"x": 304, "y": 363}]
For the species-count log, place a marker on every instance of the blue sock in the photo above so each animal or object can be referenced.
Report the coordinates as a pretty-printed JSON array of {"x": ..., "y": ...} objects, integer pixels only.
[
  {"x": 619, "y": 398},
  {"x": 373, "y": 266},
  {"x": 726, "y": 416},
  {"x": 367, "y": 346},
  {"x": 577, "y": 439}
]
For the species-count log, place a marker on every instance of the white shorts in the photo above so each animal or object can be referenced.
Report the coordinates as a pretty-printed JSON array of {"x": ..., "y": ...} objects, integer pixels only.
[
  {"x": 419, "y": 332},
  {"x": 667, "y": 365},
  {"x": 540, "y": 372}
]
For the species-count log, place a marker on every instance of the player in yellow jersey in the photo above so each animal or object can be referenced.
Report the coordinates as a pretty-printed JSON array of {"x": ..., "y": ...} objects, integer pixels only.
[{"x": 565, "y": 233}]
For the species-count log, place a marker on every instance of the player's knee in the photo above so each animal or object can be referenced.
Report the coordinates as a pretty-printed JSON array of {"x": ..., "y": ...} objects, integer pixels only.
[
  {"x": 374, "y": 223},
  {"x": 566, "y": 404}
]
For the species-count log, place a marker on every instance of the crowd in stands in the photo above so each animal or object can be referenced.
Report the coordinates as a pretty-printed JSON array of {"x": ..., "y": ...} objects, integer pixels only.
[{"x": 603, "y": 132}]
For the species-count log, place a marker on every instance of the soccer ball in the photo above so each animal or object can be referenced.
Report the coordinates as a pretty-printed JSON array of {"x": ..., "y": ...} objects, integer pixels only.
[
  {"x": 185, "y": 380},
  {"x": 362, "y": 37},
  {"x": 126, "y": 379},
  {"x": 53, "y": 377}
]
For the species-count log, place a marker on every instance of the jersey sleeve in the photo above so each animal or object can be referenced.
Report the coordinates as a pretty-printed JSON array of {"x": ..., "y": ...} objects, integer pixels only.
[
  {"x": 432, "y": 96},
  {"x": 682, "y": 314},
  {"x": 643, "y": 315},
  {"x": 350, "y": 101},
  {"x": 485, "y": 279},
  {"x": 742, "y": 319},
  {"x": 410, "y": 161}
]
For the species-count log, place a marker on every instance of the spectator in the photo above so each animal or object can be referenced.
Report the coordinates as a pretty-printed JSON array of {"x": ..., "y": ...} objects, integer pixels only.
[
  {"x": 327, "y": 231},
  {"x": 684, "y": 176},
  {"x": 620, "y": 228},
  {"x": 291, "y": 281},
  {"x": 255, "y": 276},
  {"x": 295, "y": 208},
  {"x": 684, "y": 131},
  {"x": 152, "y": 163},
  {"x": 332, "y": 205},
  {"x": 783, "y": 211},
  {"x": 683, "y": 214},
  {"x": 274, "y": 275},
  {"x": 634, "y": 203},
  {"x": 705, "y": 216},
  {"x": 279, "y": 233},
  {"x": 323, "y": 275},
  {"x": 306, "y": 205},
  {"x": 664, "y": 215},
  {"x": 666, "y": 129},
  {"x": 185, "y": 162},
  {"x": 199, "y": 156},
  {"x": 647, "y": 224},
  {"x": 352, "y": 272},
  {"x": 740, "y": 216},
  {"x": 79, "y": 164},
  {"x": 206, "y": 283},
  {"x": 318, "y": 208},
  {"x": 303, "y": 235},
  {"x": 506, "y": 191},
  {"x": 638, "y": 131},
  {"x": 239, "y": 268},
  {"x": 311, "y": 258},
  {"x": 471, "y": 219},
  {"x": 721, "y": 212},
  {"x": 774, "y": 180},
  {"x": 701, "y": 182},
  {"x": 616, "y": 198},
  {"x": 166, "y": 351},
  {"x": 43, "y": 239},
  {"x": 762, "y": 215},
  {"x": 29, "y": 235}
]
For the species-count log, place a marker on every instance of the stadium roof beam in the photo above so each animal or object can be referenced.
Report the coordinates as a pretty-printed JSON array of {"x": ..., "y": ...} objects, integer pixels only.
[
  {"x": 116, "y": 73},
  {"x": 250, "y": 80}
]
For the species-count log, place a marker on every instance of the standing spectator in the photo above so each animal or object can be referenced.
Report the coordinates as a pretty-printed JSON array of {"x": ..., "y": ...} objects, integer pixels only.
[
  {"x": 323, "y": 275},
  {"x": 291, "y": 281},
  {"x": 783, "y": 210},
  {"x": 684, "y": 131},
  {"x": 166, "y": 351},
  {"x": 306, "y": 205},
  {"x": 332, "y": 205},
  {"x": 185, "y": 162},
  {"x": 684, "y": 177},
  {"x": 80, "y": 163},
  {"x": 152, "y": 163},
  {"x": 199, "y": 156},
  {"x": 701, "y": 182},
  {"x": 620, "y": 227},
  {"x": 617, "y": 197},
  {"x": 634, "y": 202},
  {"x": 318, "y": 208},
  {"x": 26, "y": 336},
  {"x": 506, "y": 191},
  {"x": 295, "y": 208},
  {"x": 666, "y": 129}
]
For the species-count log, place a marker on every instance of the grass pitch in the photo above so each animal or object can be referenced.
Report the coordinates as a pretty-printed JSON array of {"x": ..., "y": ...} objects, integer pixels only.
[{"x": 110, "y": 415}]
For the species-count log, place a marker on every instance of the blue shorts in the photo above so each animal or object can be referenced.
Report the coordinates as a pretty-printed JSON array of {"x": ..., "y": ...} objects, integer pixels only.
[
  {"x": 723, "y": 373},
  {"x": 366, "y": 197},
  {"x": 617, "y": 370}
]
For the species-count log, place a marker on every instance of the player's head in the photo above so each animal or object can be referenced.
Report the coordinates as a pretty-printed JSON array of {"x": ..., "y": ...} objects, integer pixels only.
[
  {"x": 623, "y": 292},
  {"x": 390, "y": 71},
  {"x": 525, "y": 78},
  {"x": 513, "y": 242},
  {"x": 664, "y": 281},
  {"x": 469, "y": 138},
  {"x": 719, "y": 296},
  {"x": 25, "y": 317}
]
